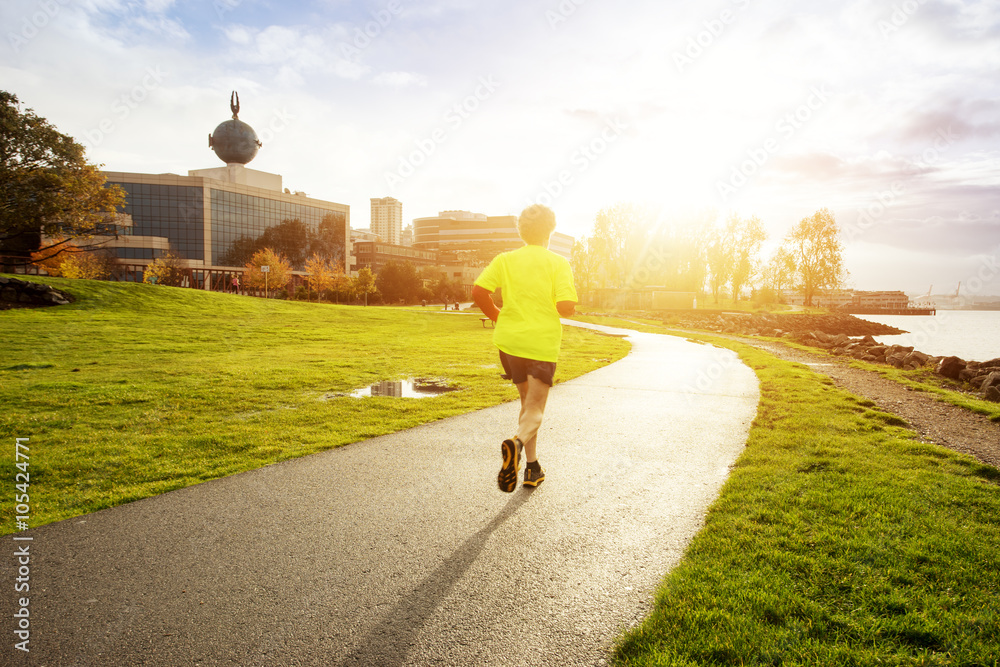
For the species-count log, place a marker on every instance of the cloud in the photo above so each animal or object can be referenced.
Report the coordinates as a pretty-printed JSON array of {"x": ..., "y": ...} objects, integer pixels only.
[{"x": 400, "y": 79}]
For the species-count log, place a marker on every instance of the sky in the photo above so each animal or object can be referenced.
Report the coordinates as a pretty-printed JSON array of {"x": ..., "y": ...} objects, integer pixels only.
[{"x": 885, "y": 113}]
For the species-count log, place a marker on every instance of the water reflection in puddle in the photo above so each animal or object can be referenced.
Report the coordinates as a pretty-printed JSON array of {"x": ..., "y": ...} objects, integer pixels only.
[{"x": 411, "y": 388}]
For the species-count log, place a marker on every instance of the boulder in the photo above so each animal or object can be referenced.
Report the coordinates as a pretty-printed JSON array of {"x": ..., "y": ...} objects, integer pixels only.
[
  {"x": 968, "y": 374},
  {"x": 898, "y": 360},
  {"x": 992, "y": 363},
  {"x": 916, "y": 359},
  {"x": 991, "y": 380},
  {"x": 950, "y": 367},
  {"x": 992, "y": 394}
]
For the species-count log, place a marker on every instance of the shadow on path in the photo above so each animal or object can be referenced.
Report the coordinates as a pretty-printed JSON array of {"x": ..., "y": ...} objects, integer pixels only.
[{"x": 389, "y": 642}]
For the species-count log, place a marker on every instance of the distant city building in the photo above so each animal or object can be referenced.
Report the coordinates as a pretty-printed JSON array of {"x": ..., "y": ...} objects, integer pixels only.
[
  {"x": 387, "y": 220},
  {"x": 851, "y": 299},
  {"x": 476, "y": 233},
  {"x": 213, "y": 218},
  {"x": 375, "y": 255},
  {"x": 407, "y": 236},
  {"x": 363, "y": 235}
]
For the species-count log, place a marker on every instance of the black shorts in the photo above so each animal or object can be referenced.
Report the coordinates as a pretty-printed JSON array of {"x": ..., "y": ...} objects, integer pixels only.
[{"x": 519, "y": 368}]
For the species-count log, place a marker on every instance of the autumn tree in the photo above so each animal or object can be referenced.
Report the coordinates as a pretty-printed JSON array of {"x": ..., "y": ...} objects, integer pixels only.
[
  {"x": 815, "y": 245},
  {"x": 321, "y": 274},
  {"x": 276, "y": 277},
  {"x": 363, "y": 284},
  {"x": 63, "y": 258},
  {"x": 746, "y": 237},
  {"x": 167, "y": 269},
  {"x": 719, "y": 256},
  {"x": 47, "y": 187},
  {"x": 779, "y": 272}
]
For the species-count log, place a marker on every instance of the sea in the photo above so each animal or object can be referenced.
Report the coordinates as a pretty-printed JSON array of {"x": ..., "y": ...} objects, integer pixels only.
[{"x": 973, "y": 335}]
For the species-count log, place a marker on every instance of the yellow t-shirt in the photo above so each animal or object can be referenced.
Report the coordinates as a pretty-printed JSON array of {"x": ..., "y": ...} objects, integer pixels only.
[{"x": 531, "y": 280}]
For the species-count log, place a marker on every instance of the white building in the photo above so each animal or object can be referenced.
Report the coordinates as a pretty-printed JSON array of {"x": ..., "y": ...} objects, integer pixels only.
[{"x": 387, "y": 219}]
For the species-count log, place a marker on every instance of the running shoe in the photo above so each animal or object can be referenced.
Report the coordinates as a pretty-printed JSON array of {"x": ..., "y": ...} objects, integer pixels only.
[
  {"x": 511, "y": 451},
  {"x": 533, "y": 477}
]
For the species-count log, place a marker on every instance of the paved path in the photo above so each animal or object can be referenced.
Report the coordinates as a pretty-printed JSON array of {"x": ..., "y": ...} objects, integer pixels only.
[{"x": 400, "y": 550}]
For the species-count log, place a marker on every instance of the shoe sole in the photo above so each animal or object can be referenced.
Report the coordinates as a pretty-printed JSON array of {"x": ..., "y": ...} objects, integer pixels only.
[{"x": 507, "y": 477}]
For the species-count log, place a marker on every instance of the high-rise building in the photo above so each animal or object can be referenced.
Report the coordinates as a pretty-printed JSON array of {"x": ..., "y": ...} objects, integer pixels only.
[{"x": 387, "y": 219}]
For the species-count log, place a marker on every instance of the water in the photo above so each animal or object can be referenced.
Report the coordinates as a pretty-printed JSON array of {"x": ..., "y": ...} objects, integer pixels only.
[
  {"x": 412, "y": 388},
  {"x": 973, "y": 335}
]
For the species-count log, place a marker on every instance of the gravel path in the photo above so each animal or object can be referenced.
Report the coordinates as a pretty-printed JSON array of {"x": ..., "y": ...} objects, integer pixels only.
[{"x": 935, "y": 421}]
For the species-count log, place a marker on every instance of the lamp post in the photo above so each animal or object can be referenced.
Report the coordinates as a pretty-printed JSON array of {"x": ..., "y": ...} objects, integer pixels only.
[{"x": 265, "y": 270}]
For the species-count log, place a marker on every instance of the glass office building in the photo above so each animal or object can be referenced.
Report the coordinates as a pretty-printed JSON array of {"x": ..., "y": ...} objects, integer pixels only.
[{"x": 211, "y": 224}]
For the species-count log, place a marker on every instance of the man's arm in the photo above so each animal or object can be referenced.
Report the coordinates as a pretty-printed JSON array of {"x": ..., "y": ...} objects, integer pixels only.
[
  {"x": 485, "y": 302},
  {"x": 566, "y": 308}
]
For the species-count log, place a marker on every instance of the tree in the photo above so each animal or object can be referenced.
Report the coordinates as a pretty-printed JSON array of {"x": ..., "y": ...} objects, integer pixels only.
[
  {"x": 321, "y": 274},
  {"x": 47, "y": 187},
  {"x": 586, "y": 265},
  {"x": 277, "y": 276},
  {"x": 289, "y": 239},
  {"x": 619, "y": 237},
  {"x": 815, "y": 244},
  {"x": 720, "y": 258},
  {"x": 746, "y": 237},
  {"x": 66, "y": 259},
  {"x": 780, "y": 270},
  {"x": 363, "y": 284},
  {"x": 167, "y": 270},
  {"x": 398, "y": 281},
  {"x": 328, "y": 239}
]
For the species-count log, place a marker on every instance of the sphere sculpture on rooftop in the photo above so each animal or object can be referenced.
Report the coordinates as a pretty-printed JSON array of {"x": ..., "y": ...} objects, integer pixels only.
[{"x": 234, "y": 141}]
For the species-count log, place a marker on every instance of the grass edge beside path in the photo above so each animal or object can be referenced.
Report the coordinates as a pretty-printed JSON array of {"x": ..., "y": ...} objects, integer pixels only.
[{"x": 838, "y": 539}]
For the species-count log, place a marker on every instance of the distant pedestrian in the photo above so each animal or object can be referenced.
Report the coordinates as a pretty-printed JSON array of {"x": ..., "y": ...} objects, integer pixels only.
[
  {"x": 537, "y": 287},
  {"x": 236, "y": 285}
]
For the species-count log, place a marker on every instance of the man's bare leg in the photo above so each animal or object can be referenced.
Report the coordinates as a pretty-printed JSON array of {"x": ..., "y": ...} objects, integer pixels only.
[{"x": 534, "y": 394}]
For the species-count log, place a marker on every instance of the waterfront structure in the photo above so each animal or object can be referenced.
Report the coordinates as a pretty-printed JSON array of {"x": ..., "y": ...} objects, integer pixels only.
[
  {"x": 214, "y": 218},
  {"x": 477, "y": 234},
  {"x": 387, "y": 220}
]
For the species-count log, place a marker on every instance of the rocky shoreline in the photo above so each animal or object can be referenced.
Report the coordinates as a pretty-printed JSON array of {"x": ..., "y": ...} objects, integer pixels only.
[{"x": 846, "y": 335}]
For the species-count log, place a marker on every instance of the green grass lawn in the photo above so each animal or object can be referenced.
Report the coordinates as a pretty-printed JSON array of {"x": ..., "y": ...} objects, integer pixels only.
[
  {"x": 134, "y": 390},
  {"x": 839, "y": 539}
]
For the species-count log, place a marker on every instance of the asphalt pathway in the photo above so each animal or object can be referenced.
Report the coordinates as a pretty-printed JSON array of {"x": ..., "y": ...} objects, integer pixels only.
[{"x": 400, "y": 550}]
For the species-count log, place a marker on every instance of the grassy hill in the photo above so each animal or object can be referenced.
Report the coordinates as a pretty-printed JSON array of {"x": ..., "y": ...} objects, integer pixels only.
[{"x": 134, "y": 390}]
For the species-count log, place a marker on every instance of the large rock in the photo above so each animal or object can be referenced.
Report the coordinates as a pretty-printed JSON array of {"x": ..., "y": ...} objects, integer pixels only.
[
  {"x": 916, "y": 359},
  {"x": 950, "y": 367},
  {"x": 991, "y": 380},
  {"x": 992, "y": 394}
]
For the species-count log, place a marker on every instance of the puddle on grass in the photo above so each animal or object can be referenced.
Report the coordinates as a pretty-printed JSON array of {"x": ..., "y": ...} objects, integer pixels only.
[{"x": 409, "y": 388}]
